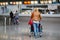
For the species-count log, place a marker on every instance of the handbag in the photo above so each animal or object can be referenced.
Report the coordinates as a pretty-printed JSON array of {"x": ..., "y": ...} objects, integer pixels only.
[{"x": 30, "y": 22}]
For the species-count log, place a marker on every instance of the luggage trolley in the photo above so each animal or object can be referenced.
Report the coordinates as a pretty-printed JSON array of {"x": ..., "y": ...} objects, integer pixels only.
[{"x": 32, "y": 30}]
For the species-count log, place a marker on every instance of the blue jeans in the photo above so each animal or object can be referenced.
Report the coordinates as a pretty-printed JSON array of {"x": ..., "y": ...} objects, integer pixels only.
[{"x": 36, "y": 30}]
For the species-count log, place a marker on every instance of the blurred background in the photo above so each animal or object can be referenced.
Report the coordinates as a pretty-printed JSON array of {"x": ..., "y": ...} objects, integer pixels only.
[{"x": 50, "y": 12}]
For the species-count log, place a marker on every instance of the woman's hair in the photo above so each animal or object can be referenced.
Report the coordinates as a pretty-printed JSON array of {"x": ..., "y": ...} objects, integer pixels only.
[{"x": 35, "y": 9}]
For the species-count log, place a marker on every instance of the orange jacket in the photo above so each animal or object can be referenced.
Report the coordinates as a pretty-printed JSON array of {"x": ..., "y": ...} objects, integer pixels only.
[{"x": 35, "y": 16}]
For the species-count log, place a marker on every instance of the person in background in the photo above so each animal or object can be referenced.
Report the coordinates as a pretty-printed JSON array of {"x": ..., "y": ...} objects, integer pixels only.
[
  {"x": 16, "y": 17},
  {"x": 2, "y": 8},
  {"x": 50, "y": 12},
  {"x": 36, "y": 17},
  {"x": 11, "y": 16}
]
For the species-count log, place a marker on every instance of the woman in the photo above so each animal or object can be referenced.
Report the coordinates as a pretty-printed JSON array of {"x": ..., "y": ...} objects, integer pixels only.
[
  {"x": 36, "y": 17},
  {"x": 16, "y": 17}
]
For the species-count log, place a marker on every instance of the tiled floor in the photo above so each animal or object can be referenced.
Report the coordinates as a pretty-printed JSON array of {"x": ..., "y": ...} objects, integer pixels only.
[{"x": 22, "y": 32}]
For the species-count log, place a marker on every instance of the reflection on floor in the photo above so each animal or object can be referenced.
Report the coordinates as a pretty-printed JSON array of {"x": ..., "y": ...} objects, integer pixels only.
[{"x": 22, "y": 32}]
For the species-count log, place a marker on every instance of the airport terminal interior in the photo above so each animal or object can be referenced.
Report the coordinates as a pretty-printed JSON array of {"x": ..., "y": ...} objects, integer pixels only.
[{"x": 50, "y": 12}]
